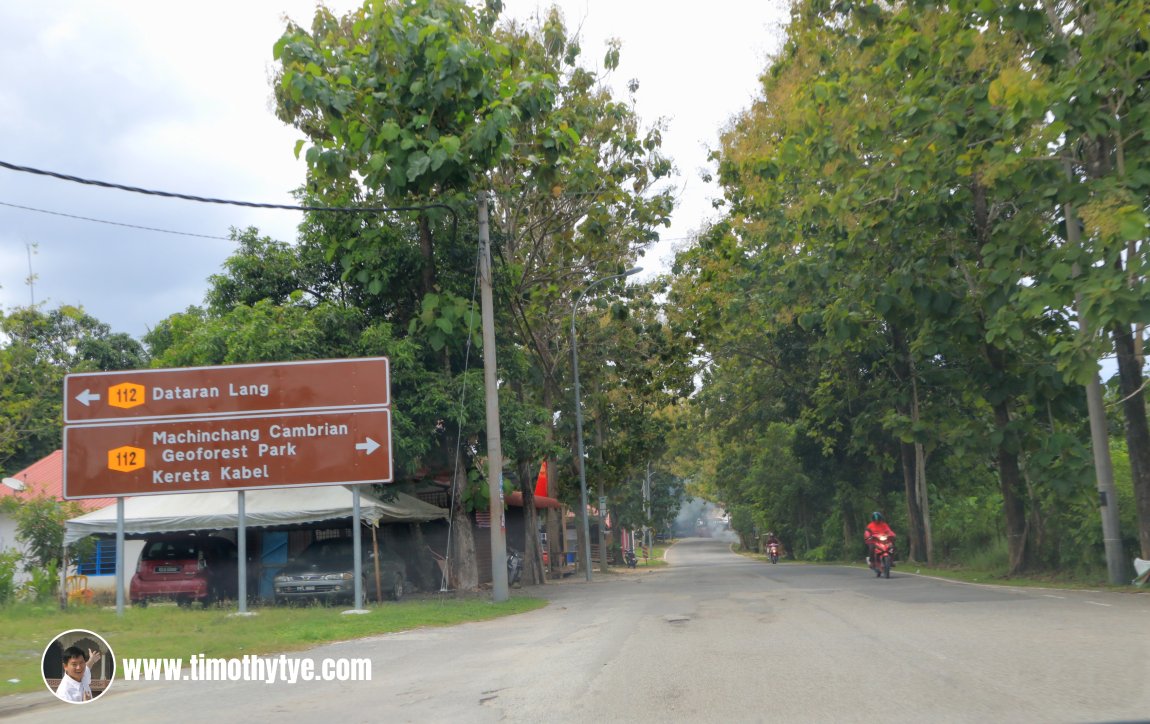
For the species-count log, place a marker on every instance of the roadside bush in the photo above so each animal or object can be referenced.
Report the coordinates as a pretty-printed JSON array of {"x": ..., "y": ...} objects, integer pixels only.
[
  {"x": 1068, "y": 537},
  {"x": 964, "y": 525},
  {"x": 993, "y": 557},
  {"x": 44, "y": 583},
  {"x": 9, "y": 562},
  {"x": 821, "y": 554}
]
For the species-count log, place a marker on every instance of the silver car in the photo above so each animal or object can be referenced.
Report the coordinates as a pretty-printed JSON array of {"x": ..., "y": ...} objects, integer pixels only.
[{"x": 324, "y": 572}]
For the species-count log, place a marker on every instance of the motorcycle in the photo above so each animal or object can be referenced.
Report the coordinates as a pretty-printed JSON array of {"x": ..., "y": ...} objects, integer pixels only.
[
  {"x": 882, "y": 555},
  {"x": 514, "y": 566},
  {"x": 774, "y": 550},
  {"x": 629, "y": 558}
]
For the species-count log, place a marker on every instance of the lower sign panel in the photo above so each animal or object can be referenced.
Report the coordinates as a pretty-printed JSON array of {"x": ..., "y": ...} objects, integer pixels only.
[{"x": 259, "y": 451}]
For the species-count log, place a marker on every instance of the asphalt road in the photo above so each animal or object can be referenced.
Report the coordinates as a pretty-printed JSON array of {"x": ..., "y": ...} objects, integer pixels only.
[{"x": 717, "y": 637}]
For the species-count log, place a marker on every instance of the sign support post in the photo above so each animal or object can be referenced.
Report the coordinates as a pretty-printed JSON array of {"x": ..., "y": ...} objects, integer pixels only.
[
  {"x": 119, "y": 556},
  {"x": 242, "y": 551},
  {"x": 357, "y": 548}
]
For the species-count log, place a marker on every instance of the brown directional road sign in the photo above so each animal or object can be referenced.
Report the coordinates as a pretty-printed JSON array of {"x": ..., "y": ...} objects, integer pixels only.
[
  {"x": 226, "y": 390},
  {"x": 330, "y": 447}
]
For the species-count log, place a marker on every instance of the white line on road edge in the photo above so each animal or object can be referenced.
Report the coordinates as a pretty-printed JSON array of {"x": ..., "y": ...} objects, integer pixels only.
[
  {"x": 1058, "y": 597},
  {"x": 1095, "y": 603}
]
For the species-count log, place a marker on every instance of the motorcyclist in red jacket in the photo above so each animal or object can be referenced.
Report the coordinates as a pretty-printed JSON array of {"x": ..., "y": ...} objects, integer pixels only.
[{"x": 876, "y": 527}]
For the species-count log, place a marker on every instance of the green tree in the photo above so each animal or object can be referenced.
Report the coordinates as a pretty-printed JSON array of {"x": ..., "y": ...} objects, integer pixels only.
[
  {"x": 880, "y": 206},
  {"x": 37, "y": 349},
  {"x": 433, "y": 101},
  {"x": 1100, "y": 52},
  {"x": 40, "y": 526}
]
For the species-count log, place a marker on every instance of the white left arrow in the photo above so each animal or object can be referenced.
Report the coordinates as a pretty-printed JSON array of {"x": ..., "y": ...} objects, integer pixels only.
[
  {"x": 369, "y": 446},
  {"x": 87, "y": 396}
]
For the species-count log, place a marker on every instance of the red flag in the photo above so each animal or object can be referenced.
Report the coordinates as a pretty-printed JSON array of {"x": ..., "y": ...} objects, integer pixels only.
[{"x": 541, "y": 481}]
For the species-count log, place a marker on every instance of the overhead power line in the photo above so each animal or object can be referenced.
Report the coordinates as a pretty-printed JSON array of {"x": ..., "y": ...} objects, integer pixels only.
[
  {"x": 210, "y": 200},
  {"x": 113, "y": 223},
  {"x": 232, "y": 202}
]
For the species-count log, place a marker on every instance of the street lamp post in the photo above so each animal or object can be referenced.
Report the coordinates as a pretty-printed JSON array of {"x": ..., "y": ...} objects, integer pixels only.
[{"x": 579, "y": 418}]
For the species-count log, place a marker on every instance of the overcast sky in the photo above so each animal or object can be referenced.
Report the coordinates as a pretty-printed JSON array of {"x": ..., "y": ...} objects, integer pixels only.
[{"x": 175, "y": 96}]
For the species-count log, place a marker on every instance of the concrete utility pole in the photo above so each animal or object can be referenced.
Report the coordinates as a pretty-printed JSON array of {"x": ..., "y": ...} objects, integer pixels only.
[
  {"x": 1107, "y": 493},
  {"x": 494, "y": 450},
  {"x": 1099, "y": 439}
]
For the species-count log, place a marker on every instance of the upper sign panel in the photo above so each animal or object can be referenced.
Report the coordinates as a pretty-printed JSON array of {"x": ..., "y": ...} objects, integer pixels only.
[{"x": 226, "y": 390}]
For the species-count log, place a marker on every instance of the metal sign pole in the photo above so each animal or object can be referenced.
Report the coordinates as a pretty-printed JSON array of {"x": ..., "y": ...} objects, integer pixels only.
[
  {"x": 242, "y": 550},
  {"x": 120, "y": 556},
  {"x": 357, "y": 547}
]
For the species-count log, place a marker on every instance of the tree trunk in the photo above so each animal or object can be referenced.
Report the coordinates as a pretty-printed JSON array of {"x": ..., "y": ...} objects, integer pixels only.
[
  {"x": 1009, "y": 473},
  {"x": 924, "y": 501},
  {"x": 555, "y": 520},
  {"x": 922, "y": 494},
  {"x": 532, "y": 555},
  {"x": 852, "y": 537},
  {"x": 916, "y": 541},
  {"x": 603, "y": 566},
  {"x": 426, "y": 573},
  {"x": 904, "y": 369},
  {"x": 1013, "y": 488},
  {"x": 556, "y": 530},
  {"x": 1137, "y": 431},
  {"x": 464, "y": 569}
]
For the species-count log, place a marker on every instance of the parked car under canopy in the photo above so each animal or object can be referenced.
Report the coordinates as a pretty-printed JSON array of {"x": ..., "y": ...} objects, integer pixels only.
[{"x": 324, "y": 572}]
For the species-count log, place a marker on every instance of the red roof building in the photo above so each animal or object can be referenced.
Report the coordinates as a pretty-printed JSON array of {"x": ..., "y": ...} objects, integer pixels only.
[{"x": 45, "y": 477}]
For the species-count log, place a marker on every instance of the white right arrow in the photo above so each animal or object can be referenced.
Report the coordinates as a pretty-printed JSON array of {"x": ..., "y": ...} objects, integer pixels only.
[
  {"x": 370, "y": 446},
  {"x": 87, "y": 396}
]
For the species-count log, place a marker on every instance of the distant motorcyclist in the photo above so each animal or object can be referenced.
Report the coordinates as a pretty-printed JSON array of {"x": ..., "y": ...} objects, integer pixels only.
[
  {"x": 772, "y": 547},
  {"x": 876, "y": 527}
]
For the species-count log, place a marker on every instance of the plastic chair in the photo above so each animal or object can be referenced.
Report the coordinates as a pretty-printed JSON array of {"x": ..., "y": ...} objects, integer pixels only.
[{"x": 78, "y": 591}]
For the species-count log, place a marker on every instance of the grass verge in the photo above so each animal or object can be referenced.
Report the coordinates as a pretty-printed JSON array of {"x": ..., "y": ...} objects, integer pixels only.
[
  {"x": 1066, "y": 579},
  {"x": 992, "y": 574},
  {"x": 656, "y": 559},
  {"x": 170, "y": 632}
]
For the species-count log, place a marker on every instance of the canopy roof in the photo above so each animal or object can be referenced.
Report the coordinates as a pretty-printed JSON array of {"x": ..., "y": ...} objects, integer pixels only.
[{"x": 272, "y": 507}]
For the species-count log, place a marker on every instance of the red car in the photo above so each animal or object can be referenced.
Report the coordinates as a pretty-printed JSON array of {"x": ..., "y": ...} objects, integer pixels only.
[{"x": 185, "y": 568}]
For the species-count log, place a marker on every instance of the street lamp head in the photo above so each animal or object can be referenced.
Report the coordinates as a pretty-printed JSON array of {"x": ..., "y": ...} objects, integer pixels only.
[{"x": 632, "y": 271}]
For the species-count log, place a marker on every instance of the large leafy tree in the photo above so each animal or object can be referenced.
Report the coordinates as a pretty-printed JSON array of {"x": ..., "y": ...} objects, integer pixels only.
[
  {"x": 407, "y": 104},
  {"x": 429, "y": 102},
  {"x": 282, "y": 304},
  {"x": 893, "y": 196},
  {"x": 578, "y": 198},
  {"x": 1095, "y": 59},
  {"x": 37, "y": 349}
]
